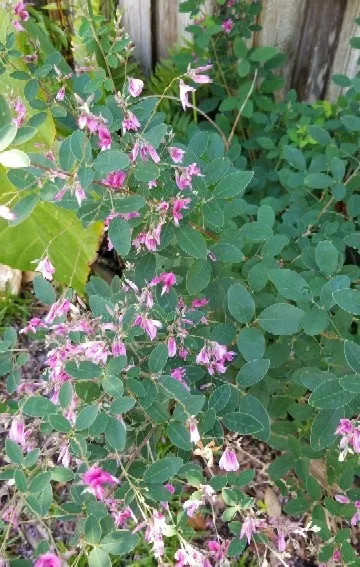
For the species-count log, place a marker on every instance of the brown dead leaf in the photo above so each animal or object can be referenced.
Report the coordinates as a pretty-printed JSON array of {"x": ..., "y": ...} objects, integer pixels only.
[
  {"x": 318, "y": 470},
  {"x": 272, "y": 503},
  {"x": 197, "y": 522}
]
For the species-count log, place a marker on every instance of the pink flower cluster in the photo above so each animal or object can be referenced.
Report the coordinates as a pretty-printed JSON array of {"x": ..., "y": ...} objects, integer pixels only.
[
  {"x": 96, "y": 125},
  {"x": 214, "y": 356},
  {"x": 20, "y": 109},
  {"x": 198, "y": 77},
  {"x": 183, "y": 177},
  {"x": 95, "y": 478},
  {"x": 48, "y": 560},
  {"x": 20, "y": 10},
  {"x": 350, "y": 432}
]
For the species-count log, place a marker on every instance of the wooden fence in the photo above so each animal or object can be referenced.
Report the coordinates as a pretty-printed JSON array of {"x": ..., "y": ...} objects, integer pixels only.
[{"x": 314, "y": 33}]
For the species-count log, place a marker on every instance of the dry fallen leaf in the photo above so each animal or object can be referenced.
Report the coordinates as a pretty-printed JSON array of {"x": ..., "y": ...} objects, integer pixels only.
[{"x": 272, "y": 504}]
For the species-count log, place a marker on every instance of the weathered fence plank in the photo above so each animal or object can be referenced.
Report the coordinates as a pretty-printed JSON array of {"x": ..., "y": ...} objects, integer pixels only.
[{"x": 314, "y": 33}]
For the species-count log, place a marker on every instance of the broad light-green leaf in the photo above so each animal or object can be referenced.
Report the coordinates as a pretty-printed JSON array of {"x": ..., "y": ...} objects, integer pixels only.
[{"x": 281, "y": 319}]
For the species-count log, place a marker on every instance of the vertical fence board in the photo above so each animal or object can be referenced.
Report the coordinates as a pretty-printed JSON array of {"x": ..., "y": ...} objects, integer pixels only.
[
  {"x": 346, "y": 58},
  {"x": 137, "y": 21},
  {"x": 166, "y": 26},
  {"x": 318, "y": 42},
  {"x": 281, "y": 21}
]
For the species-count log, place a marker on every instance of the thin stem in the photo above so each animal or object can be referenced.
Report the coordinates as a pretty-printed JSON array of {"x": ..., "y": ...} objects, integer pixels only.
[{"x": 233, "y": 130}]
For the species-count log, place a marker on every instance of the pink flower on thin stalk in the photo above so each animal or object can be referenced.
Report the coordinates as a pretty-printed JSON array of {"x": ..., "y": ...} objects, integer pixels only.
[
  {"x": 17, "y": 432},
  {"x": 21, "y": 11},
  {"x": 95, "y": 478},
  {"x": 184, "y": 93},
  {"x": 115, "y": 179},
  {"x": 178, "y": 206},
  {"x": 46, "y": 268},
  {"x": 104, "y": 138},
  {"x": 200, "y": 78},
  {"x": 191, "y": 506},
  {"x": 135, "y": 87},
  {"x": 60, "y": 95},
  {"x": 178, "y": 374},
  {"x": 48, "y": 560},
  {"x": 228, "y": 25},
  {"x": 168, "y": 279},
  {"x": 228, "y": 461},
  {"x": 150, "y": 326},
  {"x": 171, "y": 344},
  {"x": 193, "y": 430},
  {"x": 176, "y": 154},
  {"x": 130, "y": 122}
]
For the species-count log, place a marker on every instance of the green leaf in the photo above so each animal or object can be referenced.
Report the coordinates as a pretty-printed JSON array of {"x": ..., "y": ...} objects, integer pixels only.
[
  {"x": 213, "y": 216},
  {"x": 192, "y": 242},
  {"x": 352, "y": 355},
  {"x": 122, "y": 405},
  {"x": 220, "y": 397},
  {"x": 261, "y": 54},
  {"x": 290, "y": 284},
  {"x": 330, "y": 395},
  {"x": 297, "y": 507},
  {"x": 173, "y": 388},
  {"x": 252, "y": 372},
  {"x": 14, "y": 452},
  {"x": 318, "y": 181},
  {"x": 280, "y": 466},
  {"x": 120, "y": 542},
  {"x": 351, "y": 383},
  {"x": 146, "y": 171},
  {"x": 158, "y": 359},
  {"x": 227, "y": 253},
  {"x": 39, "y": 482},
  {"x": 315, "y": 321},
  {"x": 351, "y": 122},
  {"x": 240, "y": 303},
  {"x": 59, "y": 423},
  {"x": 162, "y": 470},
  {"x": 348, "y": 299},
  {"x": 120, "y": 236},
  {"x": 251, "y": 343},
  {"x": 294, "y": 157},
  {"x": 179, "y": 436},
  {"x": 326, "y": 257},
  {"x": 84, "y": 370},
  {"x": 20, "y": 481},
  {"x": 86, "y": 417},
  {"x": 14, "y": 159},
  {"x": 233, "y": 185},
  {"x": 198, "y": 276},
  {"x": 111, "y": 160},
  {"x": 251, "y": 405},
  {"x": 38, "y": 406},
  {"x": 145, "y": 269},
  {"x": 115, "y": 434},
  {"x": 326, "y": 296},
  {"x": 99, "y": 558},
  {"x": 242, "y": 423},
  {"x": 44, "y": 291},
  {"x": 281, "y": 319},
  {"x": 320, "y": 135},
  {"x": 7, "y": 135},
  {"x": 92, "y": 530}
]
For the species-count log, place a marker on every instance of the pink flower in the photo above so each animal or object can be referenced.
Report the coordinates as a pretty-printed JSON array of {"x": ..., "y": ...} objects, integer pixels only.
[
  {"x": 18, "y": 26},
  {"x": 200, "y": 79},
  {"x": 104, "y": 138},
  {"x": 115, "y": 179},
  {"x": 95, "y": 478},
  {"x": 152, "y": 184},
  {"x": 230, "y": 3},
  {"x": 96, "y": 351},
  {"x": 46, "y": 268},
  {"x": 154, "y": 533},
  {"x": 199, "y": 302},
  {"x": 58, "y": 309},
  {"x": 167, "y": 278},
  {"x": 17, "y": 432},
  {"x": 227, "y": 26},
  {"x": 179, "y": 205},
  {"x": 21, "y": 11},
  {"x": 193, "y": 430},
  {"x": 191, "y": 506},
  {"x": 48, "y": 560},
  {"x": 356, "y": 517},
  {"x": 118, "y": 348},
  {"x": 20, "y": 110},
  {"x": 60, "y": 95},
  {"x": 151, "y": 239},
  {"x": 178, "y": 374},
  {"x": 171, "y": 347},
  {"x": 135, "y": 87},
  {"x": 148, "y": 150},
  {"x": 130, "y": 122},
  {"x": 228, "y": 461},
  {"x": 342, "y": 498},
  {"x": 5, "y": 213},
  {"x": 64, "y": 455},
  {"x": 150, "y": 326},
  {"x": 250, "y": 527},
  {"x": 170, "y": 488},
  {"x": 79, "y": 194},
  {"x": 213, "y": 356},
  {"x": 184, "y": 90},
  {"x": 344, "y": 427},
  {"x": 176, "y": 154}
]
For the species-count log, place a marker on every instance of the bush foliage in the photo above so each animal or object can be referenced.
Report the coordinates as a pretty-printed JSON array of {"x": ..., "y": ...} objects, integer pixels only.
[{"x": 235, "y": 314}]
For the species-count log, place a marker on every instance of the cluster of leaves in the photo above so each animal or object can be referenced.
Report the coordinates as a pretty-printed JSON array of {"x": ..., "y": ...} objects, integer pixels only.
[{"x": 261, "y": 247}]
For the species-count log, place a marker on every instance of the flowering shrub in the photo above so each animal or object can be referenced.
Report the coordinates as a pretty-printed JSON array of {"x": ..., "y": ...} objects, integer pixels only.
[{"x": 235, "y": 314}]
